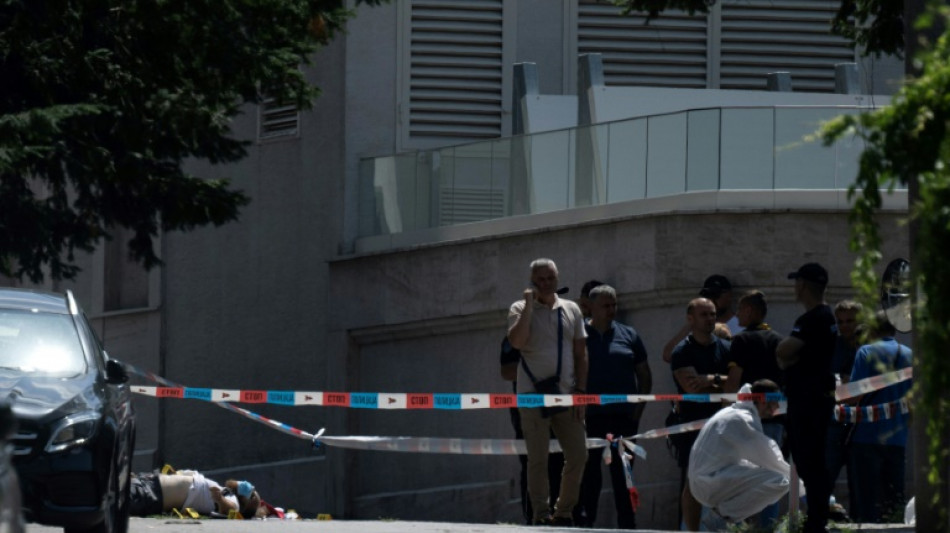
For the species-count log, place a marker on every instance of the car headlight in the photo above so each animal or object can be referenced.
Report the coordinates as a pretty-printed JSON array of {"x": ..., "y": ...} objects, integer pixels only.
[{"x": 72, "y": 431}]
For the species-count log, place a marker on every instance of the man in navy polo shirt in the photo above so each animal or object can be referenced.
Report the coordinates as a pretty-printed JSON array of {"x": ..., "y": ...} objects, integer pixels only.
[
  {"x": 617, "y": 364},
  {"x": 700, "y": 366}
]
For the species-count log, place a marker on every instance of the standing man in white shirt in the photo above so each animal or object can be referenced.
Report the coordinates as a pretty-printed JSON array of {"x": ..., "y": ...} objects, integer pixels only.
[{"x": 550, "y": 333}]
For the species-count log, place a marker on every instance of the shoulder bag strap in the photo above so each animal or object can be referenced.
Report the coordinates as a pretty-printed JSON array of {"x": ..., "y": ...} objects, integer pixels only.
[{"x": 560, "y": 349}]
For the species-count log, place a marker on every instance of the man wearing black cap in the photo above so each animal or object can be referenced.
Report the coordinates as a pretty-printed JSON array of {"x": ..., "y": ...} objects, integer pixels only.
[
  {"x": 806, "y": 355},
  {"x": 718, "y": 289}
]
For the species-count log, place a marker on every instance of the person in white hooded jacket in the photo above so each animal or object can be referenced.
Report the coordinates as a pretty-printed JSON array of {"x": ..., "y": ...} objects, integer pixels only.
[{"x": 734, "y": 468}]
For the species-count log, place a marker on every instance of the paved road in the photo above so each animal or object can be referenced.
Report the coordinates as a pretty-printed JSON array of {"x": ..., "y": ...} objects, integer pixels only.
[{"x": 152, "y": 525}]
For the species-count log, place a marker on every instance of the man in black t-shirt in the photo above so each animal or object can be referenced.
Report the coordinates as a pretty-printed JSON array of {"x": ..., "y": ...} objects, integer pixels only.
[
  {"x": 806, "y": 356},
  {"x": 752, "y": 358},
  {"x": 699, "y": 367}
]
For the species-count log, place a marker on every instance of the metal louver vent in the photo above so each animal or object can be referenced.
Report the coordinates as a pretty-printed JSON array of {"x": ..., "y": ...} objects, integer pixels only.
[
  {"x": 456, "y": 69},
  {"x": 669, "y": 51},
  {"x": 278, "y": 119},
  {"x": 762, "y": 36},
  {"x": 459, "y": 205}
]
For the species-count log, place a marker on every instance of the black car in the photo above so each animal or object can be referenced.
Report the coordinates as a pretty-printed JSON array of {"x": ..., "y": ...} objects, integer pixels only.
[
  {"x": 11, "y": 516},
  {"x": 73, "y": 448}
]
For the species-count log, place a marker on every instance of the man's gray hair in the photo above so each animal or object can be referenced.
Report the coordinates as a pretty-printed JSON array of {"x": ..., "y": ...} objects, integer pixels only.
[
  {"x": 543, "y": 262},
  {"x": 602, "y": 289}
]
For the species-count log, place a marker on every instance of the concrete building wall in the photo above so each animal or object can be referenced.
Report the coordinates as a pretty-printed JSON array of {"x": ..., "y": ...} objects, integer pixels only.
[
  {"x": 431, "y": 319},
  {"x": 246, "y": 303}
]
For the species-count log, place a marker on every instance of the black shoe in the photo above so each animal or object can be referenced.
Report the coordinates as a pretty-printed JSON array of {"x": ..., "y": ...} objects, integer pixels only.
[
  {"x": 562, "y": 521},
  {"x": 546, "y": 520},
  {"x": 837, "y": 513}
]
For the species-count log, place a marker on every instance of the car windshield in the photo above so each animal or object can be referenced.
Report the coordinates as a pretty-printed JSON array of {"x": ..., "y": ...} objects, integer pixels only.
[{"x": 40, "y": 343}]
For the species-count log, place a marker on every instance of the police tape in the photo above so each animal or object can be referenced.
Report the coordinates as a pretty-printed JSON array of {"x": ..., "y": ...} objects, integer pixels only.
[
  {"x": 456, "y": 401},
  {"x": 401, "y": 444},
  {"x": 453, "y": 401},
  {"x": 427, "y": 444},
  {"x": 871, "y": 413},
  {"x": 873, "y": 383},
  {"x": 399, "y": 400},
  {"x": 513, "y": 446}
]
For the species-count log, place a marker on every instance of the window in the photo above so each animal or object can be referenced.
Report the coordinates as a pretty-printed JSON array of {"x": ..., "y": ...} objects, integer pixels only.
[
  {"x": 733, "y": 47},
  {"x": 762, "y": 36},
  {"x": 454, "y": 84},
  {"x": 277, "y": 119},
  {"x": 670, "y": 51}
]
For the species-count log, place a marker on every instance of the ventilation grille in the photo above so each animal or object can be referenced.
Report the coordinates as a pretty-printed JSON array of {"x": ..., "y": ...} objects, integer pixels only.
[
  {"x": 459, "y": 205},
  {"x": 670, "y": 51},
  {"x": 278, "y": 119},
  {"x": 762, "y": 36},
  {"x": 456, "y": 69}
]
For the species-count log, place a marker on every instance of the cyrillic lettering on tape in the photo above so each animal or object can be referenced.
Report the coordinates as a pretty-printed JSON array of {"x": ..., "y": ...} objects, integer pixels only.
[
  {"x": 504, "y": 400},
  {"x": 198, "y": 394},
  {"x": 586, "y": 399},
  {"x": 170, "y": 392},
  {"x": 366, "y": 400},
  {"x": 253, "y": 396},
  {"x": 337, "y": 399},
  {"x": 420, "y": 401},
  {"x": 281, "y": 397}
]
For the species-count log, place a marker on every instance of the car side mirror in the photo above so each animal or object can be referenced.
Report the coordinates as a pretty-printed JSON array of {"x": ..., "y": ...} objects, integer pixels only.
[{"x": 115, "y": 372}]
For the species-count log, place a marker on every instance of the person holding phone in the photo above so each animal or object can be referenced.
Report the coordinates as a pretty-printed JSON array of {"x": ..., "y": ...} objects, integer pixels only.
[{"x": 549, "y": 332}]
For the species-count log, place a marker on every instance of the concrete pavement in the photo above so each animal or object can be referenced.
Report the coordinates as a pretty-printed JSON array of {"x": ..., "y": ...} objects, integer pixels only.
[{"x": 161, "y": 525}]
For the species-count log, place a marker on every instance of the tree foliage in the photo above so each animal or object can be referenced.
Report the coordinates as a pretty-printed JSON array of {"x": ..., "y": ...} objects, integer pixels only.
[
  {"x": 907, "y": 143},
  {"x": 877, "y": 26},
  {"x": 653, "y": 8},
  {"x": 102, "y": 100}
]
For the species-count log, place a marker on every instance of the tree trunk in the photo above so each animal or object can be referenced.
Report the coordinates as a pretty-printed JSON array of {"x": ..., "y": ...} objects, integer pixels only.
[{"x": 931, "y": 500}]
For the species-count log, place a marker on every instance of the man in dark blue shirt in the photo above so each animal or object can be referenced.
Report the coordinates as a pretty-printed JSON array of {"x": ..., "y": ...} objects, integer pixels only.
[
  {"x": 617, "y": 364},
  {"x": 699, "y": 364},
  {"x": 806, "y": 355}
]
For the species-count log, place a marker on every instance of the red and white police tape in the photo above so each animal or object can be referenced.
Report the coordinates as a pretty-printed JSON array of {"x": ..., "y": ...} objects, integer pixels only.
[
  {"x": 395, "y": 444},
  {"x": 455, "y": 401},
  {"x": 225, "y": 398}
]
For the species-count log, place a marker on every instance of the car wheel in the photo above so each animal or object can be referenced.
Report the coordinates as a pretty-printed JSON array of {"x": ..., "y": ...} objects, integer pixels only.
[
  {"x": 124, "y": 504},
  {"x": 120, "y": 521},
  {"x": 117, "y": 519},
  {"x": 108, "y": 523}
]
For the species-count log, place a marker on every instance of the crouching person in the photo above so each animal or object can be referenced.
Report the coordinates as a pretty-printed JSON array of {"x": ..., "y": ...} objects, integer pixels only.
[{"x": 734, "y": 468}]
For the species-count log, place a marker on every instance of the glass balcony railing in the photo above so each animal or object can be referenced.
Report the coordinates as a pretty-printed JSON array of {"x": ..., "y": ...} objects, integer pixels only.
[{"x": 698, "y": 150}]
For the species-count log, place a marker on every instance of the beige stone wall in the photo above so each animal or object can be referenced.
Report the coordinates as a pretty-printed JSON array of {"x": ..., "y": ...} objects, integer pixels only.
[{"x": 430, "y": 319}]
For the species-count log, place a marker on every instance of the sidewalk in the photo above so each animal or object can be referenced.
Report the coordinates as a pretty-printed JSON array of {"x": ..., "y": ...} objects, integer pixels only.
[
  {"x": 359, "y": 526},
  {"x": 165, "y": 525},
  {"x": 151, "y": 525}
]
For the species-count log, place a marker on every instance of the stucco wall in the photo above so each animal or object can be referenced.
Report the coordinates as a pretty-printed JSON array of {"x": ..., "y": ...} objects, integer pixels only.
[{"x": 430, "y": 320}]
